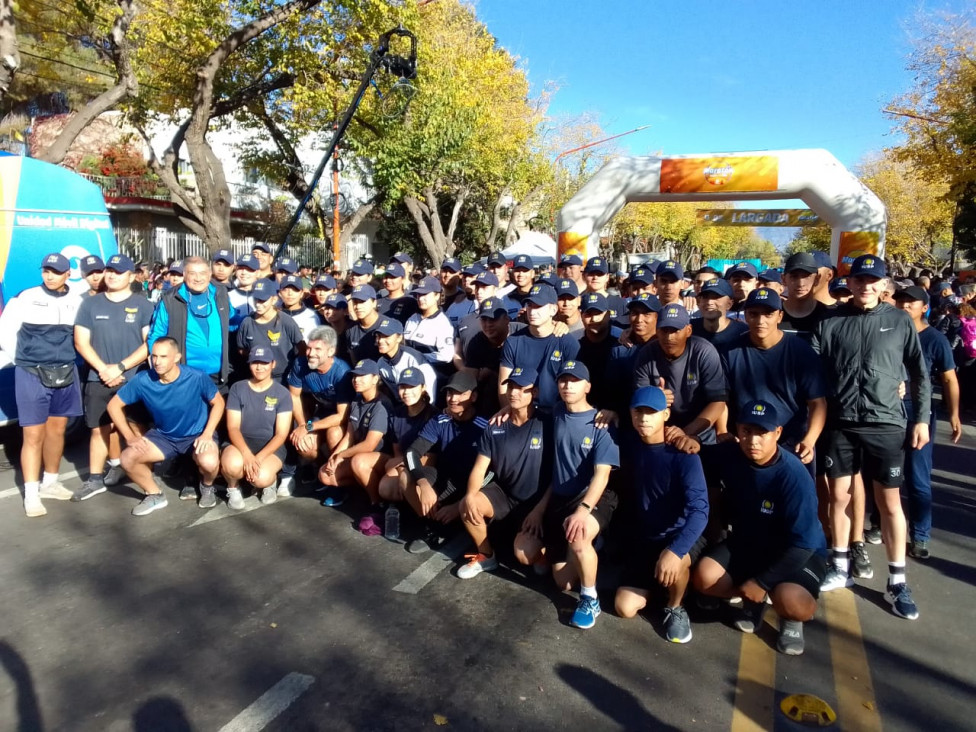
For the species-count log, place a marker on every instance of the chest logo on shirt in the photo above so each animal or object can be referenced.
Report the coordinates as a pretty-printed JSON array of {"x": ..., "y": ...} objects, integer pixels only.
[
  {"x": 536, "y": 444},
  {"x": 130, "y": 315},
  {"x": 587, "y": 443},
  {"x": 556, "y": 356},
  {"x": 766, "y": 507},
  {"x": 691, "y": 378},
  {"x": 270, "y": 403},
  {"x": 273, "y": 337}
]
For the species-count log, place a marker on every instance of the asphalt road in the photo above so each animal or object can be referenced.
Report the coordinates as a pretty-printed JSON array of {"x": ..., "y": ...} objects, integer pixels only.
[{"x": 285, "y": 618}]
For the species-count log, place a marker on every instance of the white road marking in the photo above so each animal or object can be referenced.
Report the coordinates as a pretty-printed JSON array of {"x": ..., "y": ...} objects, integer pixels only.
[
  {"x": 443, "y": 557},
  {"x": 15, "y": 491},
  {"x": 270, "y": 704},
  {"x": 222, "y": 510}
]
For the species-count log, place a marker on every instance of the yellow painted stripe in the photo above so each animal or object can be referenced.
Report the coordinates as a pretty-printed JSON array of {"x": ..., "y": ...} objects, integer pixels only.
[
  {"x": 755, "y": 689},
  {"x": 857, "y": 708}
]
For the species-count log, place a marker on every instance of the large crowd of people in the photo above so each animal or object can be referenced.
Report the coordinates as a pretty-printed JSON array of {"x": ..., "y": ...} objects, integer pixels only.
[{"x": 731, "y": 431}]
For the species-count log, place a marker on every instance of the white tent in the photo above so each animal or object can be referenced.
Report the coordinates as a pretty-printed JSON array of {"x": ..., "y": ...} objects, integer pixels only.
[{"x": 539, "y": 246}]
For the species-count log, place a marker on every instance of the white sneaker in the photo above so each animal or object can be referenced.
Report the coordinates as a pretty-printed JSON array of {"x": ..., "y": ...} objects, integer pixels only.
[
  {"x": 234, "y": 499},
  {"x": 286, "y": 485},
  {"x": 268, "y": 495},
  {"x": 33, "y": 506},
  {"x": 836, "y": 580},
  {"x": 56, "y": 492},
  {"x": 477, "y": 563}
]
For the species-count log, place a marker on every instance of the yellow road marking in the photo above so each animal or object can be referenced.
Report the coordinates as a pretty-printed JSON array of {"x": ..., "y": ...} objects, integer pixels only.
[
  {"x": 857, "y": 708},
  {"x": 755, "y": 688}
]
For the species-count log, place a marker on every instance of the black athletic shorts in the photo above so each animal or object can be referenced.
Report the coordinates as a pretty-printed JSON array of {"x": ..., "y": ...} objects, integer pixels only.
[
  {"x": 642, "y": 559},
  {"x": 501, "y": 503},
  {"x": 96, "y": 399},
  {"x": 742, "y": 566},
  {"x": 447, "y": 492},
  {"x": 559, "y": 509},
  {"x": 878, "y": 449}
]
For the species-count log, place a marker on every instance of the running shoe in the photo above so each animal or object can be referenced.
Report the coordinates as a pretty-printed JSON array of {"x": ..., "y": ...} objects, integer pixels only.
[
  {"x": 587, "y": 610},
  {"x": 430, "y": 541},
  {"x": 860, "y": 561},
  {"x": 477, "y": 563},
  {"x": 234, "y": 499},
  {"x": 269, "y": 494},
  {"x": 208, "y": 496},
  {"x": 836, "y": 579},
  {"x": 150, "y": 503},
  {"x": 33, "y": 506},
  {"x": 56, "y": 492},
  {"x": 677, "y": 626},
  {"x": 189, "y": 493},
  {"x": 790, "y": 640},
  {"x": 901, "y": 601},
  {"x": 286, "y": 486},
  {"x": 750, "y": 616},
  {"x": 88, "y": 489},
  {"x": 873, "y": 535},
  {"x": 920, "y": 550},
  {"x": 335, "y": 498},
  {"x": 114, "y": 475}
]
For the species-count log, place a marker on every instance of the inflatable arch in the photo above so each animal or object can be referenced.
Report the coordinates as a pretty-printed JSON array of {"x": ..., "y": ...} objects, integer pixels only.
[{"x": 855, "y": 214}]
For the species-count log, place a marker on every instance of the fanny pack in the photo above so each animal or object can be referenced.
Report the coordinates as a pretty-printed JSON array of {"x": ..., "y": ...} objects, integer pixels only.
[{"x": 54, "y": 377}]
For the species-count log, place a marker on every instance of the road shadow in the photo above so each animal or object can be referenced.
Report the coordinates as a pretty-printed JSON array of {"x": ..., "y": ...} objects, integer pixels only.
[
  {"x": 28, "y": 710},
  {"x": 161, "y": 714},
  {"x": 609, "y": 699}
]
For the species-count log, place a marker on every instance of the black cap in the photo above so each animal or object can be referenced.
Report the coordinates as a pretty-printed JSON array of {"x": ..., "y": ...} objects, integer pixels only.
[
  {"x": 461, "y": 382},
  {"x": 913, "y": 293},
  {"x": 803, "y": 261}
]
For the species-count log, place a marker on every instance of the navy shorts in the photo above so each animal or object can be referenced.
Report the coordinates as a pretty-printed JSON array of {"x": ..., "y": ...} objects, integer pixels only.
[
  {"x": 639, "y": 571},
  {"x": 169, "y": 446},
  {"x": 559, "y": 509},
  {"x": 743, "y": 566},
  {"x": 36, "y": 402}
]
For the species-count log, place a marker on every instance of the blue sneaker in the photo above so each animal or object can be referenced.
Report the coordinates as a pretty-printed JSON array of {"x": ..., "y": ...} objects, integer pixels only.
[
  {"x": 335, "y": 498},
  {"x": 586, "y": 611},
  {"x": 901, "y": 601}
]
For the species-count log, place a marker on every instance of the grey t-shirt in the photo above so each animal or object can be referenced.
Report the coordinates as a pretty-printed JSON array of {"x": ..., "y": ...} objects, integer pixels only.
[
  {"x": 259, "y": 409},
  {"x": 374, "y": 416},
  {"x": 115, "y": 327}
]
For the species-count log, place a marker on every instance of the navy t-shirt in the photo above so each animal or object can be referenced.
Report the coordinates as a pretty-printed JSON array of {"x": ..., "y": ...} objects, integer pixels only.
[
  {"x": 366, "y": 417},
  {"x": 115, "y": 328},
  {"x": 405, "y": 428},
  {"x": 596, "y": 356},
  {"x": 521, "y": 456},
  {"x": 259, "y": 409},
  {"x": 788, "y": 375},
  {"x": 938, "y": 359},
  {"x": 360, "y": 342},
  {"x": 672, "y": 496},
  {"x": 179, "y": 409},
  {"x": 805, "y": 326},
  {"x": 330, "y": 389},
  {"x": 696, "y": 377},
  {"x": 400, "y": 308},
  {"x": 546, "y": 355},
  {"x": 282, "y": 335},
  {"x": 724, "y": 339},
  {"x": 579, "y": 447},
  {"x": 456, "y": 445}
]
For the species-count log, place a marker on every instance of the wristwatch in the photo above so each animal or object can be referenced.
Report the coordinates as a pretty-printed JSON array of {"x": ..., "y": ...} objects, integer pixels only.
[
  {"x": 121, "y": 366},
  {"x": 308, "y": 426}
]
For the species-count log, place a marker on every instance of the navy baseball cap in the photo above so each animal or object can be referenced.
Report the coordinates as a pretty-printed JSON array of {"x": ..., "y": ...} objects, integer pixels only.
[
  {"x": 669, "y": 266},
  {"x": 366, "y": 367},
  {"x": 286, "y": 264},
  {"x": 823, "y": 260},
  {"x": 759, "y": 413},
  {"x": 461, "y": 382},
  {"x": 496, "y": 258},
  {"x": 643, "y": 275},
  {"x": 120, "y": 263},
  {"x": 248, "y": 261},
  {"x": 224, "y": 255},
  {"x": 264, "y": 289},
  {"x": 336, "y": 300},
  {"x": 394, "y": 269},
  {"x": 362, "y": 267},
  {"x": 474, "y": 269},
  {"x": 764, "y": 297},
  {"x": 597, "y": 264},
  {"x": 522, "y": 377},
  {"x": 566, "y": 288},
  {"x": 673, "y": 316},
  {"x": 452, "y": 264},
  {"x": 594, "y": 301},
  {"x": 771, "y": 275},
  {"x": 651, "y": 397},
  {"x": 570, "y": 260},
  {"x": 717, "y": 287},
  {"x": 742, "y": 268},
  {"x": 802, "y": 261},
  {"x": 523, "y": 261},
  {"x": 576, "y": 369},
  {"x": 390, "y": 326},
  {"x": 326, "y": 281},
  {"x": 427, "y": 285},
  {"x": 868, "y": 265},
  {"x": 913, "y": 293},
  {"x": 57, "y": 262},
  {"x": 492, "y": 308},
  {"x": 291, "y": 281},
  {"x": 266, "y": 248},
  {"x": 645, "y": 300},
  {"x": 402, "y": 258},
  {"x": 839, "y": 284},
  {"x": 541, "y": 295},
  {"x": 363, "y": 292},
  {"x": 411, "y": 377},
  {"x": 90, "y": 264},
  {"x": 260, "y": 355},
  {"x": 486, "y": 278},
  {"x": 177, "y": 266}
]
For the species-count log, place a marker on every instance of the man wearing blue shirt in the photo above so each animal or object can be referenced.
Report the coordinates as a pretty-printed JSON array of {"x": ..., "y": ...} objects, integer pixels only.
[
  {"x": 672, "y": 501},
  {"x": 177, "y": 397},
  {"x": 776, "y": 548},
  {"x": 577, "y": 506}
]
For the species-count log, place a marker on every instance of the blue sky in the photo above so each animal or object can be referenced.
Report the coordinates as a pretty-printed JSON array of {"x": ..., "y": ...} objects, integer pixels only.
[{"x": 712, "y": 76}]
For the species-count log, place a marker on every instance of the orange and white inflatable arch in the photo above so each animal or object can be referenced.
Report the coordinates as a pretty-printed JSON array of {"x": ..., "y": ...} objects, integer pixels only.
[{"x": 856, "y": 216}]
